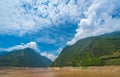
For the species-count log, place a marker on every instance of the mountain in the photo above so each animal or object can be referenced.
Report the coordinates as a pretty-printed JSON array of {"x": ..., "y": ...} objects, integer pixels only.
[
  {"x": 92, "y": 51},
  {"x": 2, "y": 53},
  {"x": 24, "y": 58}
]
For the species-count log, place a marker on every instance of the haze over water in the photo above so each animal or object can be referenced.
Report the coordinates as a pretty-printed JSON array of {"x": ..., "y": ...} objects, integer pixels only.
[{"x": 39, "y": 72}]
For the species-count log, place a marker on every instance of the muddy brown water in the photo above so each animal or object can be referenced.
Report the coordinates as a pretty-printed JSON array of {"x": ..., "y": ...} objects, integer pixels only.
[{"x": 56, "y": 72}]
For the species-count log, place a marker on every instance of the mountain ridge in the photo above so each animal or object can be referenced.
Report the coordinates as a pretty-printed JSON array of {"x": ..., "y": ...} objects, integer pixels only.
[
  {"x": 24, "y": 58},
  {"x": 92, "y": 51}
]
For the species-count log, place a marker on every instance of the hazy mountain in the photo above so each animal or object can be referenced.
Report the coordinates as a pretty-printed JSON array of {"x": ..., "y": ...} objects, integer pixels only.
[
  {"x": 24, "y": 58},
  {"x": 2, "y": 53},
  {"x": 92, "y": 51}
]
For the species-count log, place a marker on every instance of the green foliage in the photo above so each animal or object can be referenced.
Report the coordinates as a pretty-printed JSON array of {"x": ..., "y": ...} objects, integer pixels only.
[
  {"x": 24, "y": 58},
  {"x": 92, "y": 51}
]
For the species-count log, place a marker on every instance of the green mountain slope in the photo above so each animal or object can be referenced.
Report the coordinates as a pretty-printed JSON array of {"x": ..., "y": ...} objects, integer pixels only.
[
  {"x": 92, "y": 51},
  {"x": 24, "y": 58}
]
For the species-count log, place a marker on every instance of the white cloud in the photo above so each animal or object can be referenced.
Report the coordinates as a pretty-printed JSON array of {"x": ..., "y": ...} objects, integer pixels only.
[
  {"x": 31, "y": 45},
  {"x": 103, "y": 16},
  {"x": 20, "y": 17},
  {"x": 48, "y": 55},
  {"x": 94, "y": 17},
  {"x": 46, "y": 40}
]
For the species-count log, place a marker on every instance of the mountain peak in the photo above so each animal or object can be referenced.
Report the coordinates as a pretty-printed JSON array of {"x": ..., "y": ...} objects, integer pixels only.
[{"x": 24, "y": 58}]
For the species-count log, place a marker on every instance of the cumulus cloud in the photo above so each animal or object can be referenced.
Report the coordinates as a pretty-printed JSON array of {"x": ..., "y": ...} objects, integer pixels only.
[
  {"x": 48, "y": 55},
  {"x": 94, "y": 17},
  {"x": 31, "y": 45},
  {"x": 20, "y": 17},
  {"x": 103, "y": 16},
  {"x": 46, "y": 40}
]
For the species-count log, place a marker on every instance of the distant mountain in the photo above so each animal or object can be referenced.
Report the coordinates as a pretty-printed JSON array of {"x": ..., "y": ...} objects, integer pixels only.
[
  {"x": 24, "y": 58},
  {"x": 92, "y": 51},
  {"x": 2, "y": 53}
]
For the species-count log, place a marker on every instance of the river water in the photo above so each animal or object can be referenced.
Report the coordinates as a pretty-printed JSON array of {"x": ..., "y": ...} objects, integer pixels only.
[{"x": 39, "y": 72}]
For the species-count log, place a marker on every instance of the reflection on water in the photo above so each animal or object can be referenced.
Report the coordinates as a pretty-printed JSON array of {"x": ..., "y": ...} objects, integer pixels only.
[{"x": 38, "y": 72}]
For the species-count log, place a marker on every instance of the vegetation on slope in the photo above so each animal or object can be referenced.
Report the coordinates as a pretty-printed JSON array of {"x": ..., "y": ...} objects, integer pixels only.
[
  {"x": 24, "y": 58},
  {"x": 92, "y": 51}
]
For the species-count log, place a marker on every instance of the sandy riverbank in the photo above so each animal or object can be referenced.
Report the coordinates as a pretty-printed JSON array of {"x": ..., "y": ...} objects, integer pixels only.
[
  {"x": 83, "y": 68},
  {"x": 89, "y": 68}
]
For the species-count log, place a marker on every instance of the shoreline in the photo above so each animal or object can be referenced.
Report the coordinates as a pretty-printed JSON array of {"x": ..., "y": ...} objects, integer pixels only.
[
  {"x": 82, "y": 68},
  {"x": 89, "y": 68}
]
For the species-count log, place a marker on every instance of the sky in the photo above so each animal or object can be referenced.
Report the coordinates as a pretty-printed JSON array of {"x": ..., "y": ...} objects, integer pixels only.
[{"x": 47, "y": 26}]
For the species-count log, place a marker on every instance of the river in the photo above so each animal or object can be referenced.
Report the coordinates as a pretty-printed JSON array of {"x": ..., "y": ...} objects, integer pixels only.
[{"x": 57, "y": 72}]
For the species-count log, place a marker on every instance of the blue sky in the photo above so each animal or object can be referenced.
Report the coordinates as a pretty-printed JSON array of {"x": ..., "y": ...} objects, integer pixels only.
[{"x": 49, "y": 25}]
